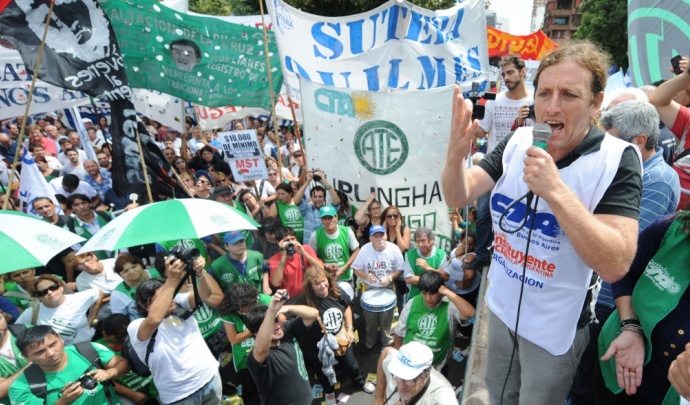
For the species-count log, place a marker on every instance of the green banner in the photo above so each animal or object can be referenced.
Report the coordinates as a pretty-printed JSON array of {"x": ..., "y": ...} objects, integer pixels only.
[{"x": 200, "y": 59}]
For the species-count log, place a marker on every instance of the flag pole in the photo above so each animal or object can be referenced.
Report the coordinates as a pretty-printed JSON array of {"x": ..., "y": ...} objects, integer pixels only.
[
  {"x": 298, "y": 132},
  {"x": 28, "y": 105},
  {"x": 143, "y": 165},
  {"x": 270, "y": 85},
  {"x": 183, "y": 146}
]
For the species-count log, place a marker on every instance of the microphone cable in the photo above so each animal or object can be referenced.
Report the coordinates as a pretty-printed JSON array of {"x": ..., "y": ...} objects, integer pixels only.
[
  {"x": 522, "y": 280},
  {"x": 529, "y": 196}
]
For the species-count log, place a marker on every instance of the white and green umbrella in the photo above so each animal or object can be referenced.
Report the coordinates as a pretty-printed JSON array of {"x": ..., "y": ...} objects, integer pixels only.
[
  {"x": 27, "y": 241},
  {"x": 188, "y": 218}
]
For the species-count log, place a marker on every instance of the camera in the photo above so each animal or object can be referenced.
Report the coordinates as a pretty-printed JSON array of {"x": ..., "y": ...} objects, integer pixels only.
[
  {"x": 186, "y": 255},
  {"x": 675, "y": 62},
  {"x": 286, "y": 296},
  {"x": 478, "y": 108},
  {"x": 316, "y": 176},
  {"x": 87, "y": 382},
  {"x": 530, "y": 114},
  {"x": 290, "y": 249}
]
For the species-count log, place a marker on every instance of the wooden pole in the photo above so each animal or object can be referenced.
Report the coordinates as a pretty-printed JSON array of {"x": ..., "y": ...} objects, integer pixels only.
[
  {"x": 183, "y": 146},
  {"x": 298, "y": 132},
  {"x": 28, "y": 105},
  {"x": 270, "y": 85},
  {"x": 143, "y": 165}
]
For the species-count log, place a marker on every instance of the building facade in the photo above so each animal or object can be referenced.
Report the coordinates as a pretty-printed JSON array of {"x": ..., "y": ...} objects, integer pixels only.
[{"x": 561, "y": 19}]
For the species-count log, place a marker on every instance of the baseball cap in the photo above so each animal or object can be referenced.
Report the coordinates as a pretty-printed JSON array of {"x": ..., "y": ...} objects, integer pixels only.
[
  {"x": 63, "y": 139},
  {"x": 233, "y": 237},
  {"x": 411, "y": 360},
  {"x": 222, "y": 190},
  {"x": 86, "y": 120},
  {"x": 203, "y": 173},
  {"x": 327, "y": 211},
  {"x": 376, "y": 229}
]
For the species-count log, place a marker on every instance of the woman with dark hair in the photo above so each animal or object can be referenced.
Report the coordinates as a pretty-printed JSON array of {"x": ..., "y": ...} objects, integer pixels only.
[
  {"x": 367, "y": 215},
  {"x": 133, "y": 273},
  {"x": 239, "y": 299},
  {"x": 65, "y": 313},
  {"x": 255, "y": 207},
  {"x": 103, "y": 125},
  {"x": 112, "y": 332},
  {"x": 398, "y": 234},
  {"x": 320, "y": 291},
  {"x": 182, "y": 167},
  {"x": 286, "y": 210},
  {"x": 206, "y": 156},
  {"x": 48, "y": 173},
  {"x": 346, "y": 211}
]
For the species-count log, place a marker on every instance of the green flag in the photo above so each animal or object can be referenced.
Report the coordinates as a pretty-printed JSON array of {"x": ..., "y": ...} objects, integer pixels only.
[{"x": 199, "y": 59}]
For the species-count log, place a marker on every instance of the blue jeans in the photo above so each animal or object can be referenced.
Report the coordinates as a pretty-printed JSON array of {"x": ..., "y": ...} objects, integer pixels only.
[
  {"x": 485, "y": 233},
  {"x": 210, "y": 394}
]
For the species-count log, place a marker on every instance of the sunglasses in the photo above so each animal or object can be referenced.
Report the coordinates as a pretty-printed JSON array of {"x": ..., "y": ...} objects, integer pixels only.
[
  {"x": 392, "y": 216},
  {"x": 273, "y": 174},
  {"x": 44, "y": 292},
  {"x": 179, "y": 162},
  {"x": 202, "y": 181},
  {"x": 412, "y": 381}
]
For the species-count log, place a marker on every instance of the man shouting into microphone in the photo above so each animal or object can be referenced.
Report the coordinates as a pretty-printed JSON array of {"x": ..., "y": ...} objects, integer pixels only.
[{"x": 587, "y": 188}]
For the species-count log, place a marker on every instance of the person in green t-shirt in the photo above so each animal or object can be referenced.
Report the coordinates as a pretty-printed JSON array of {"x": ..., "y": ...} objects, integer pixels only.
[
  {"x": 62, "y": 367},
  {"x": 335, "y": 244},
  {"x": 429, "y": 318},
  {"x": 286, "y": 210},
  {"x": 11, "y": 362},
  {"x": 239, "y": 265},
  {"x": 239, "y": 299},
  {"x": 113, "y": 331},
  {"x": 22, "y": 293},
  {"x": 425, "y": 257}
]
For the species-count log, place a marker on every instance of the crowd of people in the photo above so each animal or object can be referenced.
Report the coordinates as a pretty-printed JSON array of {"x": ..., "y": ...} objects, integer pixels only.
[{"x": 570, "y": 317}]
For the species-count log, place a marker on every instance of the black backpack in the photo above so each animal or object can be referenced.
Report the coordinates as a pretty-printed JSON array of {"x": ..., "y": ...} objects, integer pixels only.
[
  {"x": 128, "y": 353},
  {"x": 37, "y": 379}
]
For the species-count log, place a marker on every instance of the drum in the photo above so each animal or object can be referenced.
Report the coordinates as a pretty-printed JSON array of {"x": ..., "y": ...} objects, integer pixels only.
[
  {"x": 378, "y": 299},
  {"x": 346, "y": 287}
]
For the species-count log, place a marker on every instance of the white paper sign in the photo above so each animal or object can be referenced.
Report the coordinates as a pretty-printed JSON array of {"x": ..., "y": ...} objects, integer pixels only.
[{"x": 243, "y": 154}]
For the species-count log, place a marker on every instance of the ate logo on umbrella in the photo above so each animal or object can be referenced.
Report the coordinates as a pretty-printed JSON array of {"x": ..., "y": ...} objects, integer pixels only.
[
  {"x": 219, "y": 220},
  {"x": 104, "y": 237},
  {"x": 49, "y": 241}
]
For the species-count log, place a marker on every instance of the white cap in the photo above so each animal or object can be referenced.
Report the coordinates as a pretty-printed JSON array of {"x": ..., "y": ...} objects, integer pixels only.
[
  {"x": 86, "y": 120},
  {"x": 411, "y": 360}
]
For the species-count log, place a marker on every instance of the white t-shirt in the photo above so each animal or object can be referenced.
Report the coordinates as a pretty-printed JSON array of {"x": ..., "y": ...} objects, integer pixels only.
[
  {"x": 105, "y": 281},
  {"x": 352, "y": 239},
  {"x": 82, "y": 188},
  {"x": 77, "y": 170},
  {"x": 500, "y": 115},
  {"x": 180, "y": 363},
  {"x": 53, "y": 163},
  {"x": 69, "y": 320},
  {"x": 383, "y": 263}
]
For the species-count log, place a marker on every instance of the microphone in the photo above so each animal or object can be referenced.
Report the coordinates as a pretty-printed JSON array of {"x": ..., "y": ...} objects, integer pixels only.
[{"x": 540, "y": 135}]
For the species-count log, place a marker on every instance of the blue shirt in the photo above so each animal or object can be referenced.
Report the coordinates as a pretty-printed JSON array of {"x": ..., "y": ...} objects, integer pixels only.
[
  {"x": 312, "y": 220},
  {"x": 660, "y": 189},
  {"x": 101, "y": 188}
]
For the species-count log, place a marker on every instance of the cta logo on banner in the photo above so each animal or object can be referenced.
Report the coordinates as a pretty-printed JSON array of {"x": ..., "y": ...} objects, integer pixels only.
[
  {"x": 386, "y": 144},
  {"x": 243, "y": 154},
  {"x": 395, "y": 46}
]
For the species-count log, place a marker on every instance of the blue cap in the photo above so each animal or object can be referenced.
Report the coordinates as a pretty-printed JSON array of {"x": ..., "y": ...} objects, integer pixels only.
[
  {"x": 376, "y": 229},
  {"x": 327, "y": 211},
  {"x": 233, "y": 237}
]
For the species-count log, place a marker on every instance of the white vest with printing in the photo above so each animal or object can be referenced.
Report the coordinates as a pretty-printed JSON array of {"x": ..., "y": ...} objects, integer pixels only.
[{"x": 556, "y": 279}]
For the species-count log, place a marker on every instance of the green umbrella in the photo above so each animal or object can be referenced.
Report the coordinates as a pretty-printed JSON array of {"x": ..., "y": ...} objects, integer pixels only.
[
  {"x": 168, "y": 220},
  {"x": 30, "y": 242}
]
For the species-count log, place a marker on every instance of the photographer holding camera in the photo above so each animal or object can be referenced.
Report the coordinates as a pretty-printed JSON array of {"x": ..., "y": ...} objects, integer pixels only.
[
  {"x": 183, "y": 368},
  {"x": 287, "y": 266},
  {"x": 69, "y": 376},
  {"x": 317, "y": 195}
]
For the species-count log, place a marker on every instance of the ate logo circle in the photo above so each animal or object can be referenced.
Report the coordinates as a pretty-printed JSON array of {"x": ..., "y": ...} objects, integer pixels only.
[
  {"x": 427, "y": 325},
  {"x": 333, "y": 251},
  {"x": 292, "y": 214},
  {"x": 381, "y": 147}
]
